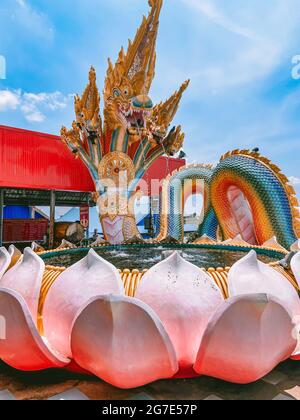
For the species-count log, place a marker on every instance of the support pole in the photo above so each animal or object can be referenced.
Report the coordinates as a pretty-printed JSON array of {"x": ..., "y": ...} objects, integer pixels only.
[
  {"x": 1, "y": 215},
  {"x": 52, "y": 219},
  {"x": 88, "y": 213}
]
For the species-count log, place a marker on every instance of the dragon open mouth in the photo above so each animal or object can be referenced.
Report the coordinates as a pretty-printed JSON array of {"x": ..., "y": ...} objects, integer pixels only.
[{"x": 134, "y": 118}]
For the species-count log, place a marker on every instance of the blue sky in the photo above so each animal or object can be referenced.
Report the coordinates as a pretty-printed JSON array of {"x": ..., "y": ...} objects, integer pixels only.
[{"x": 239, "y": 59}]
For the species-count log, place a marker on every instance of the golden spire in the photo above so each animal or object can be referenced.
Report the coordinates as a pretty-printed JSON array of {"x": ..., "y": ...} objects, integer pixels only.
[
  {"x": 87, "y": 108},
  {"x": 137, "y": 65}
]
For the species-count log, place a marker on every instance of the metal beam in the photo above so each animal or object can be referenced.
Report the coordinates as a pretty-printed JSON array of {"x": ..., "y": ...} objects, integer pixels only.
[
  {"x": 18, "y": 197},
  {"x": 52, "y": 219},
  {"x": 1, "y": 215}
]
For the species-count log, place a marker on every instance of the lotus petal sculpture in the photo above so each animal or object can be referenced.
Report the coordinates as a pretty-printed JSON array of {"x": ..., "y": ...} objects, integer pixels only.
[
  {"x": 295, "y": 266},
  {"x": 90, "y": 277},
  {"x": 177, "y": 325},
  {"x": 184, "y": 298},
  {"x": 241, "y": 344},
  {"x": 122, "y": 341}
]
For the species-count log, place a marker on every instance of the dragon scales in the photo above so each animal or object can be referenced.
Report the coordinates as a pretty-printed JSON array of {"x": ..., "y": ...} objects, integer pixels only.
[{"x": 245, "y": 194}]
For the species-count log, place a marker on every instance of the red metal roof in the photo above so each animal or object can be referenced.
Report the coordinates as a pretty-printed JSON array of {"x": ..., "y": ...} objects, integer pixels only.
[
  {"x": 160, "y": 169},
  {"x": 41, "y": 161}
]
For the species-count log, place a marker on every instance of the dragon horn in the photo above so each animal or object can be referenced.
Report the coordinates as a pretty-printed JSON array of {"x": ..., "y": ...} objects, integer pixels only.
[
  {"x": 89, "y": 103},
  {"x": 167, "y": 110}
]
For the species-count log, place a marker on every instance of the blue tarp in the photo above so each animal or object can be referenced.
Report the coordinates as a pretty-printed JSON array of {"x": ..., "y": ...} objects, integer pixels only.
[{"x": 20, "y": 212}]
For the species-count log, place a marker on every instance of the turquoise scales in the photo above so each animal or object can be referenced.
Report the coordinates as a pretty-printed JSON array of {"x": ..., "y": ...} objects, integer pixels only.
[
  {"x": 260, "y": 186},
  {"x": 179, "y": 187}
]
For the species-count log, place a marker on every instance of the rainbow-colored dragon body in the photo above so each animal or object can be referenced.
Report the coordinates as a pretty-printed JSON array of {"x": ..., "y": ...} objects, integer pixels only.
[
  {"x": 176, "y": 190},
  {"x": 245, "y": 194}
]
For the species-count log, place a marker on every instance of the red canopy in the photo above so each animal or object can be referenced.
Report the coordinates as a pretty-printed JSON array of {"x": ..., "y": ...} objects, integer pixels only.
[
  {"x": 32, "y": 160},
  {"x": 39, "y": 161}
]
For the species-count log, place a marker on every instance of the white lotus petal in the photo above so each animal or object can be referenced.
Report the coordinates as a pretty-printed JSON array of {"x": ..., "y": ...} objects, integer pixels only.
[
  {"x": 5, "y": 260},
  {"x": 122, "y": 341},
  {"x": 15, "y": 255},
  {"x": 66, "y": 245},
  {"x": 205, "y": 240},
  {"x": 36, "y": 247},
  {"x": 73, "y": 288},
  {"x": 21, "y": 346},
  {"x": 295, "y": 265},
  {"x": 252, "y": 276},
  {"x": 26, "y": 279},
  {"x": 273, "y": 244},
  {"x": 237, "y": 241},
  {"x": 246, "y": 339},
  {"x": 296, "y": 246},
  {"x": 184, "y": 297}
]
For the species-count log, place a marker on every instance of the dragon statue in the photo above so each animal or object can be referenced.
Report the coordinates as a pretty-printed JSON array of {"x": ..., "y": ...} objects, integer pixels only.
[{"x": 245, "y": 194}]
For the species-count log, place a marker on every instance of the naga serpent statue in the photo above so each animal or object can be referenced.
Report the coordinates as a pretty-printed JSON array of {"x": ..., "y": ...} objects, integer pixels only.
[{"x": 244, "y": 195}]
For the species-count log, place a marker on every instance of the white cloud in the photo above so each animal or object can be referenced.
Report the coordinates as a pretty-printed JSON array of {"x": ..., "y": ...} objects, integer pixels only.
[
  {"x": 35, "y": 117},
  {"x": 33, "y": 106},
  {"x": 294, "y": 180},
  {"x": 9, "y": 100},
  {"x": 32, "y": 20},
  {"x": 211, "y": 11},
  {"x": 252, "y": 46}
]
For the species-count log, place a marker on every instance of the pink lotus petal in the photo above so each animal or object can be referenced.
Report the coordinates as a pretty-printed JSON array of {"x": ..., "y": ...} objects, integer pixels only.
[
  {"x": 15, "y": 255},
  {"x": 252, "y": 276},
  {"x": 88, "y": 278},
  {"x": 295, "y": 265},
  {"x": 184, "y": 297},
  {"x": 122, "y": 341},
  {"x": 296, "y": 335},
  {"x": 21, "y": 346},
  {"x": 246, "y": 339},
  {"x": 26, "y": 279},
  {"x": 5, "y": 259}
]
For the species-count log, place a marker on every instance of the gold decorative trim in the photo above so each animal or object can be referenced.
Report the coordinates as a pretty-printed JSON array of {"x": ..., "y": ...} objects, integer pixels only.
[
  {"x": 112, "y": 166},
  {"x": 288, "y": 275},
  {"x": 132, "y": 279},
  {"x": 50, "y": 276}
]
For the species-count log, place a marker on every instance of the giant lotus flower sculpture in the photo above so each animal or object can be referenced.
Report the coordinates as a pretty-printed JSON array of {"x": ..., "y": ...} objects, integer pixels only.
[{"x": 177, "y": 325}]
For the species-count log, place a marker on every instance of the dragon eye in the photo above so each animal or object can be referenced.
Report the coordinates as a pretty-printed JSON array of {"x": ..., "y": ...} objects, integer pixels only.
[
  {"x": 126, "y": 91},
  {"x": 116, "y": 93}
]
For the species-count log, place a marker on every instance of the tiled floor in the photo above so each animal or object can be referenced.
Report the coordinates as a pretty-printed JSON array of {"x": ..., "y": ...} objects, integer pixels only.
[{"x": 283, "y": 383}]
